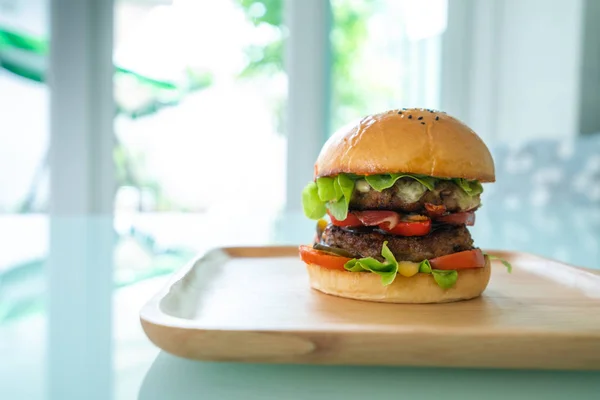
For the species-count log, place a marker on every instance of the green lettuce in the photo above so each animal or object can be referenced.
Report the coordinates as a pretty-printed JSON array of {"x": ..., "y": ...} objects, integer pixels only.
[
  {"x": 327, "y": 193},
  {"x": 387, "y": 270},
  {"x": 326, "y": 189},
  {"x": 503, "y": 261},
  {"x": 444, "y": 278},
  {"x": 343, "y": 187},
  {"x": 386, "y": 181},
  {"x": 425, "y": 267},
  {"x": 312, "y": 205},
  {"x": 472, "y": 188},
  {"x": 334, "y": 193}
]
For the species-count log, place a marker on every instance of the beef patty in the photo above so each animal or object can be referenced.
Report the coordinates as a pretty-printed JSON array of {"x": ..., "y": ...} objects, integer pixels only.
[
  {"x": 367, "y": 242},
  {"x": 395, "y": 199}
]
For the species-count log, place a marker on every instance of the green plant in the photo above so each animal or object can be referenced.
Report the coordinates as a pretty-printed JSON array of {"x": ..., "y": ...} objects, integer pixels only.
[{"x": 347, "y": 38}]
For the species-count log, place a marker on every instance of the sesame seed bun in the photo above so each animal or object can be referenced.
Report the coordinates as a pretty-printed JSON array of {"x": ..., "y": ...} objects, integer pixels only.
[
  {"x": 420, "y": 288},
  {"x": 416, "y": 141}
]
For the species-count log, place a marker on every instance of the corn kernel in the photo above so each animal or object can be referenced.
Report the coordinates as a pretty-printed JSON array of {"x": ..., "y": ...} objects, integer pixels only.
[{"x": 407, "y": 268}]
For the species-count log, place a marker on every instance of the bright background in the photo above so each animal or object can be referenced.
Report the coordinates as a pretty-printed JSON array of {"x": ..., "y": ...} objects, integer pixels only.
[
  {"x": 222, "y": 106},
  {"x": 207, "y": 82}
]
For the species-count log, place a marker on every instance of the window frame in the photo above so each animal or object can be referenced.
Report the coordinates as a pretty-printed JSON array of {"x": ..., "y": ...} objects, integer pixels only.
[{"x": 79, "y": 271}]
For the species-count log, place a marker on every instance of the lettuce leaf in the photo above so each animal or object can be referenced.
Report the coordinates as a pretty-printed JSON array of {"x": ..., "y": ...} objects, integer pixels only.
[
  {"x": 346, "y": 186},
  {"x": 338, "y": 209},
  {"x": 328, "y": 193},
  {"x": 444, "y": 278},
  {"x": 387, "y": 270},
  {"x": 326, "y": 189},
  {"x": 472, "y": 188},
  {"x": 503, "y": 261},
  {"x": 386, "y": 181},
  {"x": 334, "y": 193},
  {"x": 312, "y": 205},
  {"x": 343, "y": 187},
  {"x": 425, "y": 267}
]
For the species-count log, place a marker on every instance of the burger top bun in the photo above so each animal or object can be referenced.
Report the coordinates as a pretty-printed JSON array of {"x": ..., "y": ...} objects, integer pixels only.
[{"x": 416, "y": 141}]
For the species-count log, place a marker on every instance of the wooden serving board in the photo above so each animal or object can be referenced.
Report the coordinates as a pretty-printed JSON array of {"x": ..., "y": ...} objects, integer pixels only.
[{"x": 255, "y": 305}]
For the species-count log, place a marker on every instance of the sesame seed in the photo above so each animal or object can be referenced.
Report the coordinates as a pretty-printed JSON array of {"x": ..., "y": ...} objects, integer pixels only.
[
  {"x": 422, "y": 123},
  {"x": 400, "y": 112},
  {"x": 436, "y": 118},
  {"x": 410, "y": 117},
  {"x": 420, "y": 118}
]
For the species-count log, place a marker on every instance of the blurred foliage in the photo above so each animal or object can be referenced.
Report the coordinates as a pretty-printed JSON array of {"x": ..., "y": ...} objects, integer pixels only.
[
  {"x": 348, "y": 95},
  {"x": 131, "y": 171},
  {"x": 266, "y": 59},
  {"x": 348, "y": 35}
]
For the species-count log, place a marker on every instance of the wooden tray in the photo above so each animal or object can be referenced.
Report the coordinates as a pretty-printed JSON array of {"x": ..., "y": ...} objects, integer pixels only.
[{"x": 255, "y": 305}]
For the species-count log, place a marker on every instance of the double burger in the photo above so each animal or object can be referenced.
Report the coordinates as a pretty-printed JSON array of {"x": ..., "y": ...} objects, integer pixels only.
[{"x": 399, "y": 190}]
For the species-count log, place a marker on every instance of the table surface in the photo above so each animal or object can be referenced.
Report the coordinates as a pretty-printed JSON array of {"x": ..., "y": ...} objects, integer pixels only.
[{"x": 38, "y": 362}]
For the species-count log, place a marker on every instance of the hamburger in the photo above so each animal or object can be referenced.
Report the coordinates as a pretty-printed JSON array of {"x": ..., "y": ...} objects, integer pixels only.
[{"x": 399, "y": 190}]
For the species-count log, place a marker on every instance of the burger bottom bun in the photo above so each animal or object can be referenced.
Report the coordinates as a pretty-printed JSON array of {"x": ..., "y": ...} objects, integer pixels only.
[{"x": 418, "y": 289}]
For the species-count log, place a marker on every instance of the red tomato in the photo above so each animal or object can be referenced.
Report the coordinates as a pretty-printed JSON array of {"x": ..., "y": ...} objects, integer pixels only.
[
  {"x": 461, "y": 260},
  {"x": 389, "y": 221},
  {"x": 350, "y": 220},
  {"x": 376, "y": 218},
  {"x": 420, "y": 228},
  {"x": 393, "y": 223},
  {"x": 312, "y": 256},
  {"x": 462, "y": 218}
]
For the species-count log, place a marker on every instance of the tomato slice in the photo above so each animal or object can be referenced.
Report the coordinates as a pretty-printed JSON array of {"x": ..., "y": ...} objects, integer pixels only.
[
  {"x": 351, "y": 220},
  {"x": 461, "y": 218},
  {"x": 461, "y": 260},
  {"x": 378, "y": 217},
  {"x": 402, "y": 228},
  {"x": 395, "y": 224},
  {"x": 312, "y": 256},
  {"x": 389, "y": 221}
]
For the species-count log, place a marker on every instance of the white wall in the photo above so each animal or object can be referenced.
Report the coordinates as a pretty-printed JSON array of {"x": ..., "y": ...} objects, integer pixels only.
[
  {"x": 518, "y": 69},
  {"x": 540, "y": 48}
]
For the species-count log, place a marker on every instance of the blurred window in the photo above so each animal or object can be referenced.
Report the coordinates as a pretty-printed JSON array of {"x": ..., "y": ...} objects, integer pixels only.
[
  {"x": 200, "y": 91},
  {"x": 385, "y": 54},
  {"x": 206, "y": 134},
  {"x": 24, "y": 118}
]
